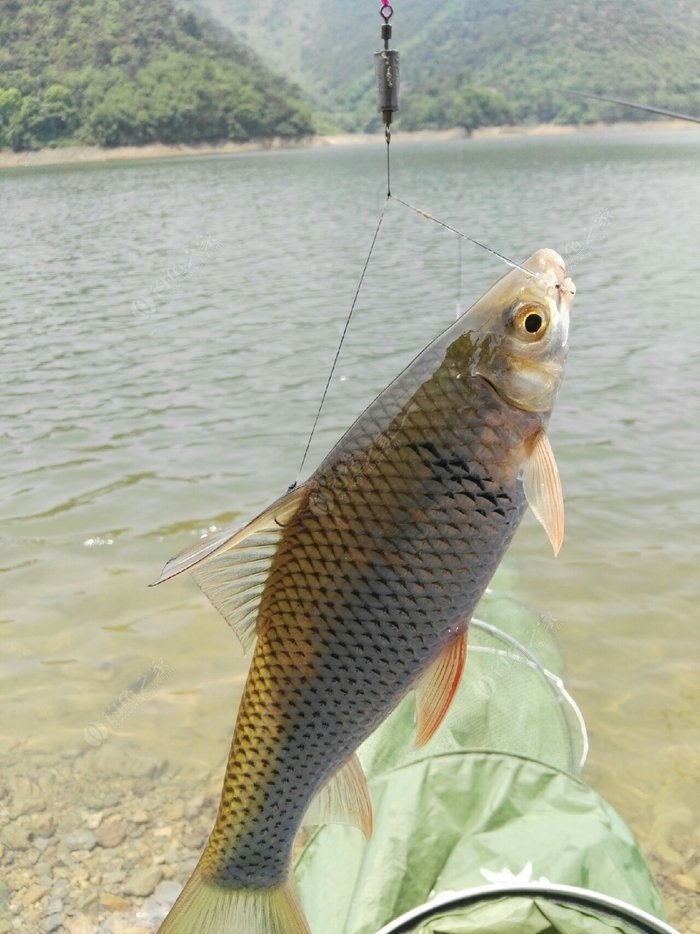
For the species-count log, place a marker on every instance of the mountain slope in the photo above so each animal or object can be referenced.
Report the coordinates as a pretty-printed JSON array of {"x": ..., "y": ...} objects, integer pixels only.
[
  {"x": 126, "y": 71},
  {"x": 530, "y": 50}
]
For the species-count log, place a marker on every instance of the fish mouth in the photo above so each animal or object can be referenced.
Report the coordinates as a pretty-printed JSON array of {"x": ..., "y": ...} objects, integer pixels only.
[
  {"x": 566, "y": 292},
  {"x": 548, "y": 265},
  {"x": 567, "y": 285}
]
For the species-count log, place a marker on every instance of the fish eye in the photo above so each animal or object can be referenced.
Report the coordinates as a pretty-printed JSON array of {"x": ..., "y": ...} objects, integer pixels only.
[
  {"x": 533, "y": 322},
  {"x": 530, "y": 322}
]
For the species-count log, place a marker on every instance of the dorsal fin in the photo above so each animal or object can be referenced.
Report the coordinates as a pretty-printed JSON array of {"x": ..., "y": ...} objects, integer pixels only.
[{"x": 232, "y": 567}]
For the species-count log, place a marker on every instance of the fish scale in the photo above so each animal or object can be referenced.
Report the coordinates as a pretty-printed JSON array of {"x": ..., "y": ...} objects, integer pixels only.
[
  {"x": 374, "y": 567},
  {"x": 343, "y": 634}
]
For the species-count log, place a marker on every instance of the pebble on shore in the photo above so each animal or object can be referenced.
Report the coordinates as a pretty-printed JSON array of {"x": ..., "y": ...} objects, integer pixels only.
[
  {"x": 101, "y": 842},
  {"x": 104, "y": 847}
]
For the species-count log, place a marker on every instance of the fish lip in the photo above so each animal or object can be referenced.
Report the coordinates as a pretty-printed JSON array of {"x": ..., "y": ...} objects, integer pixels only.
[
  {"x": 547, "y": 264},
  {"x": 566, "y": 285},
  {"x": 566, "y": 292}
]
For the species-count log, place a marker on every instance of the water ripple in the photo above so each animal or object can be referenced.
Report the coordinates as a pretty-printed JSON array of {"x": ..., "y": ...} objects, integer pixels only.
[{"x": 142, "y": 407}]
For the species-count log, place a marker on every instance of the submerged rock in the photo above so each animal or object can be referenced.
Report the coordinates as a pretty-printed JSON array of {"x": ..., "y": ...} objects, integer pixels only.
[
  {"x": 80, "y": 840},
  {"x": 16, "y": 837},
  {"x": 143, "y": 881},
  {"x": 111, "y": 833},
  {"x": 32, "y": 894},
  {"x": 114, "y": 902}
]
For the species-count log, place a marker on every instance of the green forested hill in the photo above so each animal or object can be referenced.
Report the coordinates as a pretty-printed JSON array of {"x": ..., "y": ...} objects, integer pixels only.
[
  {"x": 529, "y": 50},
  {"x": 118, "y": 72},
  {"x": 137, "y": 71}
]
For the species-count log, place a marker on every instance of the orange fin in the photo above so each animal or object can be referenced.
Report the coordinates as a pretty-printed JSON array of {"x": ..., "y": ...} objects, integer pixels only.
[
  {"x": 437, "y": 687},
  {"x": 232, "y": 567},
  {"x": 344, "y": 799},
  {"x": 543, "y": 489}
]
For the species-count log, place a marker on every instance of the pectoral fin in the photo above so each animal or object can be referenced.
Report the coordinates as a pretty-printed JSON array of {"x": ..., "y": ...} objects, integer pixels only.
[
  {"x": 543, "y": 489},
  {"x": 232, "y": 566},
  {"x": 437, "y": 687},
  {"x": 344, "y": 799}
]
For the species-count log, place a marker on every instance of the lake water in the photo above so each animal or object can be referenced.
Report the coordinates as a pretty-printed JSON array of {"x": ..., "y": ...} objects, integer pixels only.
[{"x": 167, "y": 331}]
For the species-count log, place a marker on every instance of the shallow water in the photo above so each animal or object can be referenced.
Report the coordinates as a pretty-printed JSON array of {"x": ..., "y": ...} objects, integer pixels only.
[{"x": 132, "y": 425}]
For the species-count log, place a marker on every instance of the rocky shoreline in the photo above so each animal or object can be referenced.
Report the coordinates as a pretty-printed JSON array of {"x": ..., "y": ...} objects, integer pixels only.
[
  {"x": 98, "y": 841},
  {"x": 101, "y": 840}
]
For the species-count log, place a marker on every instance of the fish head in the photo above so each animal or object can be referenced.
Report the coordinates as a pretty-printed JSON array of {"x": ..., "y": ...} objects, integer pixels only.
[{"x": 519, "y": 332}]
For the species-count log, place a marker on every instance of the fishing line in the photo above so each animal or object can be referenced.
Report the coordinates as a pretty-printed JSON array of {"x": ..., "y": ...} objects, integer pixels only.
[
  {"x": 340, "y": 344},
  {"x": 427, "y": 216},
  {"x": 463, "y": 236},
  {"x": 387, "y": 77},
  {"x": 646, "y": 107},
  {"x": 458, "y": 300}
]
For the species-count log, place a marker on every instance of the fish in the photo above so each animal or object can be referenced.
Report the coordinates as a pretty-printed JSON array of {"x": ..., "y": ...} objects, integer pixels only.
[{"x": 358, "y": 585}]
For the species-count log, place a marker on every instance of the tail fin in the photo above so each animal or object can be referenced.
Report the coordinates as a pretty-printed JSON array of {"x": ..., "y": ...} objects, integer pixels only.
[{"x": 207, "y": 908}]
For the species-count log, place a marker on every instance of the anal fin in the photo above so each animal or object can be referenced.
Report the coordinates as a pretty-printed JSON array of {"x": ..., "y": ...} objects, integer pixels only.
[
  {"x": 344, "y": 799},
  {"x": 438, "y": 685}
]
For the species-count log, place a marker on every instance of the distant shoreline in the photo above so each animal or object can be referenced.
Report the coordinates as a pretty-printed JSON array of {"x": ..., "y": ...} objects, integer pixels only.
[{"x": 71, "y": 155}]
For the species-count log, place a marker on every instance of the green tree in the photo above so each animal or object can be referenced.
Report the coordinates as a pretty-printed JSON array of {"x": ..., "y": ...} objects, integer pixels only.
[
  {"x": 10, "y": 101},
  {"x": 471, "y": 107},
  {"x": 118, "y": 72},
  {"x": 43, "y": 119},
  {"x": 455, "y": 103},
  {"x": 120, "y": 119}
]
